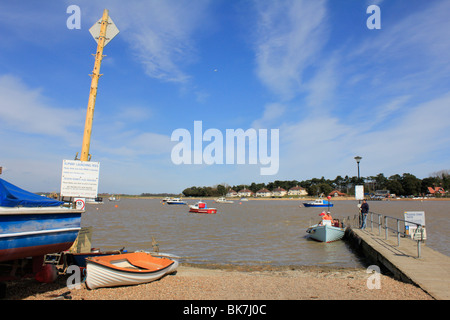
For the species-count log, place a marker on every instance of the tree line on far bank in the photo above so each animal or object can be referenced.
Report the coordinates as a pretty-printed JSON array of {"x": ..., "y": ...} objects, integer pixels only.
[{"x": 400, "y": 185}]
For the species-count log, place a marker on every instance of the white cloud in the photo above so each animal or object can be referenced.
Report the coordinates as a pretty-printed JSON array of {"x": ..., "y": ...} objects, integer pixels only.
[
  {"x": 290, "y": 35},
  {"x": 325, "y": 145},
  {"x": 23, "y": 109},
  {"x": 411, "y": 51},
  {"x": 321, "y": 88},
  {"x": 272, "y": 113},
  {"x": 375, "y": 2},
  {"x": 383, "y": 98},
  {"x": 160, "y": 33}
]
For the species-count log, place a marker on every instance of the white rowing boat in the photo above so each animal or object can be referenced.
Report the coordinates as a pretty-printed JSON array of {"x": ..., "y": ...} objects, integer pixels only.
[{"x": 126, "y": 269}]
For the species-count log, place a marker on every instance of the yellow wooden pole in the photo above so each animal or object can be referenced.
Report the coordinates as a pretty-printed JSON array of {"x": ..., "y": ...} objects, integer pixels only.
[{"x": 93, "y": 93}]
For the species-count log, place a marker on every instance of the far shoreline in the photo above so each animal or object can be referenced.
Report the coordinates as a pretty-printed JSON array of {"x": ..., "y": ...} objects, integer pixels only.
[{"x": 282, "y": 198}]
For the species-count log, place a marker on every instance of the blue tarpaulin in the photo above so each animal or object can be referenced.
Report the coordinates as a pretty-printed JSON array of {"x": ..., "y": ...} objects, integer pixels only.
[{"x": 13, "y": 196}]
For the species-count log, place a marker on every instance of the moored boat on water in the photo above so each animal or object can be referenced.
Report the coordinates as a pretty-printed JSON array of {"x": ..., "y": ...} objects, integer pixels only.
[
  {"x": 32, "y": 225},
  {"x": 97, "y": 200},
  {"x": 201, "y": 207},
  {"x": 126, "y": 269},
  {"x": 223, "y": 200},
  {"x": 318, "y": 203},
  {"x": 114, "y": 198},
  {"x": 326, "y": 232},
  {"x": 175, "y": 201}
]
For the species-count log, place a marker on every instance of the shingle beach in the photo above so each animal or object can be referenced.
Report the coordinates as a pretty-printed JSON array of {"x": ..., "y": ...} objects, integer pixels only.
[{"x": 234, "y": 283}]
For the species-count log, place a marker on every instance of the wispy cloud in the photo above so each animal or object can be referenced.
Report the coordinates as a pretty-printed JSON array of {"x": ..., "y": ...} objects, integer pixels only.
[
  {"x": 160, "y": 33},
  {"x": 381, "y": 97},
  {"x": 408, "y": 49},
  {"x": 271, "y": 115},
  {"x": 27, "y": 110},
  {"x": 289, "y": 37}
]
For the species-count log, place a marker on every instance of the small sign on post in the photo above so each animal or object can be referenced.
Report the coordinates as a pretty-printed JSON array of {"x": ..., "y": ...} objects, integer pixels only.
[
  {"x": 359, "y": 192},
  {"x": 412, "y": 220},
  {"x": 111, "y": 31},
  {"x": 80, "y": 203}
]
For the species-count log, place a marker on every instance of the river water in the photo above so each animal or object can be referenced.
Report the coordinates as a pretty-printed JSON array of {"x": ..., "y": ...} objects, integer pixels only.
[{"x": 256, "y": 232}]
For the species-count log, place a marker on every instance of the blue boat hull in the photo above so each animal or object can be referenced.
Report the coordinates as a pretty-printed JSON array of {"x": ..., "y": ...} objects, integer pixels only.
[
  {"x": 35, "y": 232},
  {"x": 317, "y": 205}
]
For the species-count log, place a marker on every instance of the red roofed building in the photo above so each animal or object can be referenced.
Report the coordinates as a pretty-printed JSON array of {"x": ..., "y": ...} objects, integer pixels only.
[
  {"x": 436, "y": 190},
  {"x": 279, "y": 192},
  {"x": 245, "y": 193},
  {"x": 336, "y": 193},
  {"x": 263, "y": 193}
]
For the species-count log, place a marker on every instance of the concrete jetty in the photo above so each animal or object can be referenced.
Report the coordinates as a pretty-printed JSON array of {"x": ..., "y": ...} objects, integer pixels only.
[{"x": 431, "y": 272}]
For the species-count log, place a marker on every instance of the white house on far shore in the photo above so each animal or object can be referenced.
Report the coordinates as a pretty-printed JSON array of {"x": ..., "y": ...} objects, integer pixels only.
[
  {"x": 279, "y": 192},
  {"x": 263, "y": 193},
  {"x": 297, "y": 191},
  {"x": 245, "y": 193},
  {"x": 231, "y": 193}
]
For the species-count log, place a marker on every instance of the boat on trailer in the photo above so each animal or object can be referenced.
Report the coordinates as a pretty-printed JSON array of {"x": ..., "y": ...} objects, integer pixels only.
[
  {"x": 32, "y": 225},
  {"x": 126, "y": 269}
]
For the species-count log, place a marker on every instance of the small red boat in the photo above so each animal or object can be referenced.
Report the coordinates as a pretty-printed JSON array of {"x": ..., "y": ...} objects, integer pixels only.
[{"x": 200, "y": 207}]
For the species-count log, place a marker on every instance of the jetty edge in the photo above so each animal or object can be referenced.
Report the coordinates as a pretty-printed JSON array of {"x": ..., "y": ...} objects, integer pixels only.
[{"x": 430, "y": 272}]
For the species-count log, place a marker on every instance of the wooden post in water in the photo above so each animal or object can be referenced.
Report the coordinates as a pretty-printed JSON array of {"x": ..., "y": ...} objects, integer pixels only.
[{"x": 94, "y": 84}]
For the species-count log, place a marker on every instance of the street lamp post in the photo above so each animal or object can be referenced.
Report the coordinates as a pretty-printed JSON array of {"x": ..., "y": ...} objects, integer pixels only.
[{"x": 358, "y": 159}]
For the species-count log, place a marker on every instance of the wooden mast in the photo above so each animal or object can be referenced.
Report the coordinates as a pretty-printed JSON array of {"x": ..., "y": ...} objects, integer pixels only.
[{"x": 93, "y": 92}]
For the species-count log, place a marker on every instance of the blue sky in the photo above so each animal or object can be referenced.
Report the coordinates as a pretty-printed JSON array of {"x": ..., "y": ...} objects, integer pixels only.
[{"x": 310, "y": 68}]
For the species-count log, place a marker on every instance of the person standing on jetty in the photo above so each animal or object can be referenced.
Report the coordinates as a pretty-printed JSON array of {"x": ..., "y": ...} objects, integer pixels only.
[{"x": 364, "y": 212}]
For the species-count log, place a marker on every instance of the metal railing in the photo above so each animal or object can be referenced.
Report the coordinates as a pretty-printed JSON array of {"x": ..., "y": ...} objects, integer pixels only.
[{"x": 385, "y": 222}]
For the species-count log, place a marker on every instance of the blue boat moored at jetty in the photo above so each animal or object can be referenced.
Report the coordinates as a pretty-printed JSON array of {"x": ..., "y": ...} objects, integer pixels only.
[{"x": 32, "y": 225}]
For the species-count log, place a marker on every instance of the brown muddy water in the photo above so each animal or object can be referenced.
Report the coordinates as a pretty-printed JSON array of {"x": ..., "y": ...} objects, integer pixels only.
[{"x": 257, "y": 232}]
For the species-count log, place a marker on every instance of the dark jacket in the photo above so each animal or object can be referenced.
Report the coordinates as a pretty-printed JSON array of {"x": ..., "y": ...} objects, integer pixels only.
[{"x": 365, "y": 207}]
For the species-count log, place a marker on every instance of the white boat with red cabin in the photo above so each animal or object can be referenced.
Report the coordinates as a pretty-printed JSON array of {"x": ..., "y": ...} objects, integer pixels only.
[{"x": 201, "y": 207}]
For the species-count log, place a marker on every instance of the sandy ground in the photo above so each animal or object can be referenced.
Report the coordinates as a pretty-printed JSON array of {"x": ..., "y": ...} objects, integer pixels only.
[{"x": 233, "y": 283}]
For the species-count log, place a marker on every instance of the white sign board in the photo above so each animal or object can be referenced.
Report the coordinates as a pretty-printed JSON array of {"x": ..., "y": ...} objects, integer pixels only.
[
  {"x": 80, "y": 179},
  {"x": 111, "y": 30},
  {"x": 415, "y": 217},
  {"x": 359, "y": 192},
  {"x": 411, "y": 218}
]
